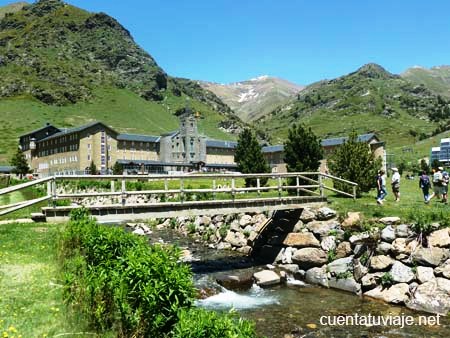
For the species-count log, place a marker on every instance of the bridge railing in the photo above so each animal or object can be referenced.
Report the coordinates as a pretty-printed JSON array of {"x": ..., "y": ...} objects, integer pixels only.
[{"x": 181, "y": 187}]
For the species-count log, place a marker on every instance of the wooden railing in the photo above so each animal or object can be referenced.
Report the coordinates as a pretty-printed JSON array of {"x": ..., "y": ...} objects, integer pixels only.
[{"x": 299, "y": 183}]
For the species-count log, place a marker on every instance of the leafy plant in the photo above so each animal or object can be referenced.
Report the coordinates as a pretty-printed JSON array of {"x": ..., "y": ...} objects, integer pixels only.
[
  {"x": 331, "y": 255},
  {"x": 387, "y": 279},
  {"x": 191, "y": 228},
  {"x": 344, "y": 275}
]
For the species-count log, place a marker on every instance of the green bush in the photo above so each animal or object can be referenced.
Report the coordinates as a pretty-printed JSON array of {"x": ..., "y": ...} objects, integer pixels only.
[
  {"x": 387, "y": 279},
  {"x": 120, "y": 282},
  {"x": 199, "y": 323}
]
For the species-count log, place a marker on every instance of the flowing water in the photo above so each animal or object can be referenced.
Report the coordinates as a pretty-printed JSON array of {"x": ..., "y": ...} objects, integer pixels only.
[{"x": 293, "y": 308}]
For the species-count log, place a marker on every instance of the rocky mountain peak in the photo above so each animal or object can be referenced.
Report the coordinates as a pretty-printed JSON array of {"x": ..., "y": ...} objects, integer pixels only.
[{"x": 374, "y": 71}]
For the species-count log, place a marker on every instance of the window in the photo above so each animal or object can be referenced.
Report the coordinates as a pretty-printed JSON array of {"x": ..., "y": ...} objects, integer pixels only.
[
  {"x": 109, "y": 147},
  {"x": 89, "y": 157},
  {"x": 109, "y": 158},
  {"x": 89, "y": 146}
]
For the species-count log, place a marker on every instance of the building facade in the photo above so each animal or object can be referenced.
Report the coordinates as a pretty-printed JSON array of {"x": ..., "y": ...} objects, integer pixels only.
[{"x": 57, "y": 151}]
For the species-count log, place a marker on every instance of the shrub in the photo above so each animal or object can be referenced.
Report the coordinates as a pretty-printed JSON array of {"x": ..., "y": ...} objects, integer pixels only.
[
  {"x": 199, "y": 323},
  {"x": 331, "y": 255},
  {"x": 387, "y": 279}
]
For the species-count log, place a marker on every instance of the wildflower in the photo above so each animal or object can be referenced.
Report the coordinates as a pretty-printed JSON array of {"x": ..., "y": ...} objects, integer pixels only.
[
  {"x": 5, "y": 334},
  {"x": 12, "y": 329}
]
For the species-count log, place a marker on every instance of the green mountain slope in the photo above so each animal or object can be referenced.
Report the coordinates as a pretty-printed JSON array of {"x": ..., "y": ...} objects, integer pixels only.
[
  {"x": 368, "y": 100},
  {"x": 11, "y": 8},
  {"x": 436, "y": 79},
  {"x": 64, "y": 65}
]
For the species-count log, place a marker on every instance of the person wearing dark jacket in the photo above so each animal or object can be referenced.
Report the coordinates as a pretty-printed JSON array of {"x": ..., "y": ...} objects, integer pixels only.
[{"x": 425, "y": 185}]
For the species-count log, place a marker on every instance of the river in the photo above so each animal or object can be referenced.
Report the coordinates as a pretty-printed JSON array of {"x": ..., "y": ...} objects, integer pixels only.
[{"x": 295, "y": 309}]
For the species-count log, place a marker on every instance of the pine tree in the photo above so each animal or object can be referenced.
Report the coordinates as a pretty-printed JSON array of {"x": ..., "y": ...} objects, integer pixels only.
[
  {"x": 302, "y": 151},
  {"x": 354, "y": 162},
  {"x": 20, "y": 164},
  {"x": 117, "y": 169},
  {"x": 249, "y": 157},
  {"x": 93, "y": 168}
]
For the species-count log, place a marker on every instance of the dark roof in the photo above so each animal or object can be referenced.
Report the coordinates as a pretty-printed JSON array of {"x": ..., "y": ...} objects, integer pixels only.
[
  {"x": 170, "y": 133},
  {"x": 221, "y": 165},
  {"x": 39, "y": 129},
  {"x": 138, "y": 138},
  {"x": 273, "y": 149},
  {"x": 159, "y": 163},
  {"x": 6, "y": 169},
  {"x": 67, "y": 131},
  {"x": 340, "y": 140},
  {"x": 220, "y": 144}
]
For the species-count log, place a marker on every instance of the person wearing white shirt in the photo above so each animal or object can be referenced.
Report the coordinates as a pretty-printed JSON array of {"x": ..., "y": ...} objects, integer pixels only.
[{"x": 395, "y": 183}]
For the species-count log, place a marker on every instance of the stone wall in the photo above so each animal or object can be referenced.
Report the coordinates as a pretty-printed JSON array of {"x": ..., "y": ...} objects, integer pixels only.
[{"x": 383, "y": 258}]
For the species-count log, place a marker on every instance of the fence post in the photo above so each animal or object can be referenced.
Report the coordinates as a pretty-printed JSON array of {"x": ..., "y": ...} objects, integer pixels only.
[
  {"x": 233, "y": 192},
  {"x": 181, "y": 190},
  {"x": 320, "y": 185},
  {"x": 113, "y": 188},
  {"x": 54, "y": 191},
  {"x": 354, "y": 192},
  {"x": 279, "y": 187},
  {"x": 258, "y": 185},
  {"x": 297, "y": 183},
  {"x": 124, "y": 192},
  {"x": 214, "y": 189}
]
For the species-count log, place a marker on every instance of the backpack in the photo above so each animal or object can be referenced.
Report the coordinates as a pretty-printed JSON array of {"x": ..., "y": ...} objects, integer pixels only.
[{"x": 425, "y": 180}]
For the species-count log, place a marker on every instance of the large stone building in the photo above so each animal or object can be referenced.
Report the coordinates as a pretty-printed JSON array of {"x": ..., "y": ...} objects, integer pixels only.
[{"x": 56, "y": 151}]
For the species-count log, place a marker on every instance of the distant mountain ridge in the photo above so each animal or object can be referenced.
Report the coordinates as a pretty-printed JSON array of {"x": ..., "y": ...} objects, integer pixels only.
[
  {"x": 435, "y": 78},
  {"x": 254, "y": 98},
  {"x": 369, "y": 99}
]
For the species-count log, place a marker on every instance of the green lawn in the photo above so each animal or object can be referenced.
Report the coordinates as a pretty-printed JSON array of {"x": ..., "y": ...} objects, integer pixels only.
[
  {"x": 411, "y": 201},
  {"x": 31, "y": 302}
]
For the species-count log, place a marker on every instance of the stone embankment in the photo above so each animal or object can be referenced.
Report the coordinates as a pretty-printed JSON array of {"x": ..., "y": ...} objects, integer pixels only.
[{"x": 383, "y": 258}]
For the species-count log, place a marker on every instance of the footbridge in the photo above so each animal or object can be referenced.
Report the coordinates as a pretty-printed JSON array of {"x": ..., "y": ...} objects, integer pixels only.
[{"x": 130, "y": 197}]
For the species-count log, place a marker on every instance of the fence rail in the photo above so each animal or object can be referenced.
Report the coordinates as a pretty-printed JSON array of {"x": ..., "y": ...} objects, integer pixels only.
[{"x": 277, "y": 184}]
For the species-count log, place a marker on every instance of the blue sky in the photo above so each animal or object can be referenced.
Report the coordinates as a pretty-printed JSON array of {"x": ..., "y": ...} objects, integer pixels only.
[{"x": 302, "y": 41}]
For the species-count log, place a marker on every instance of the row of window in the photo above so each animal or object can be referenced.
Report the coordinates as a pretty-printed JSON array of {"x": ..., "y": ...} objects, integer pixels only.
[{"x": 72, "y": 147}]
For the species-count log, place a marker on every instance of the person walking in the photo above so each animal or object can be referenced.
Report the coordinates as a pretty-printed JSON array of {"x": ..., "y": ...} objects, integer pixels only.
[
  {"x": 395, "y": 184},
  {"x": 437, "y": 184},
  {"x": 381, "y": 187},
  {"x": 425, "y": 185},
  {"x": 445, "y": 180}
]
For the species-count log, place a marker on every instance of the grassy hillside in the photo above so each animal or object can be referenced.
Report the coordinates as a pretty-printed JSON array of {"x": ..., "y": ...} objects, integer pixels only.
[
  {"x": 63, "y": 65},
  {"x": 11, "y": 8},
  {"x": 122, "y": 109},
  {"x": 368, "y": 100},
  {"x": 436, "y": 79}
]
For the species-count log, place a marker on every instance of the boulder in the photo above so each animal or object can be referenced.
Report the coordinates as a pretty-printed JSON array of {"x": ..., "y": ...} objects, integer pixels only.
[
  {"x": 266, "y": 278},
  {"x": 403, "y": 246},
  {"x": 340, "y": 265},
  {"x": 236, "y": 282},
  {"x": 424, "y": 274},
  {"x": 309, "y": 257},
  {"x": 359, "y": 270},
  {"x": 343, "y": 250},
  {"x": 396, "y": 294},
  {"x": 298, "y": 227},
  {"x": 440, "y": 238},
  {"x": 380, "y": 262},
  {"x": 236, "y": 239},
  {"x": 371, "y": 280},
  {"x": 359, "y": 238},
  {"x": 328, "y": 243},
  {"x": 224, "y": 246},
  {"x": 383, "y": 248},
  {"x": 432, "y": 296},
  {"x": 388, "y": 234},
  {"x": 139, "y": 232},
  {"x": 245, "y": 250},
  {"x": 430, "y": 256},
  {"x": 317, "y": 276},
  {"x": 401, "y": 273},
  {"x": 218, "y": 219},
  {"x": 346, "y": 284},
  {"x": 443, "y": 270},
  {"x": 287, "y": 256},
  {"x": 245, "y": 220},
  {"x": 352, "y": 220},
  {"x": 322, "y": 228},
  {"x": 307, "y": 215},
  {"x": 325, "y": 213},
  {"x": 389, "y": 220},
  {"x": 403, "y": 231},
  {"x": 301, "y": 240},
  {"x": 289, "y": 268}
]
